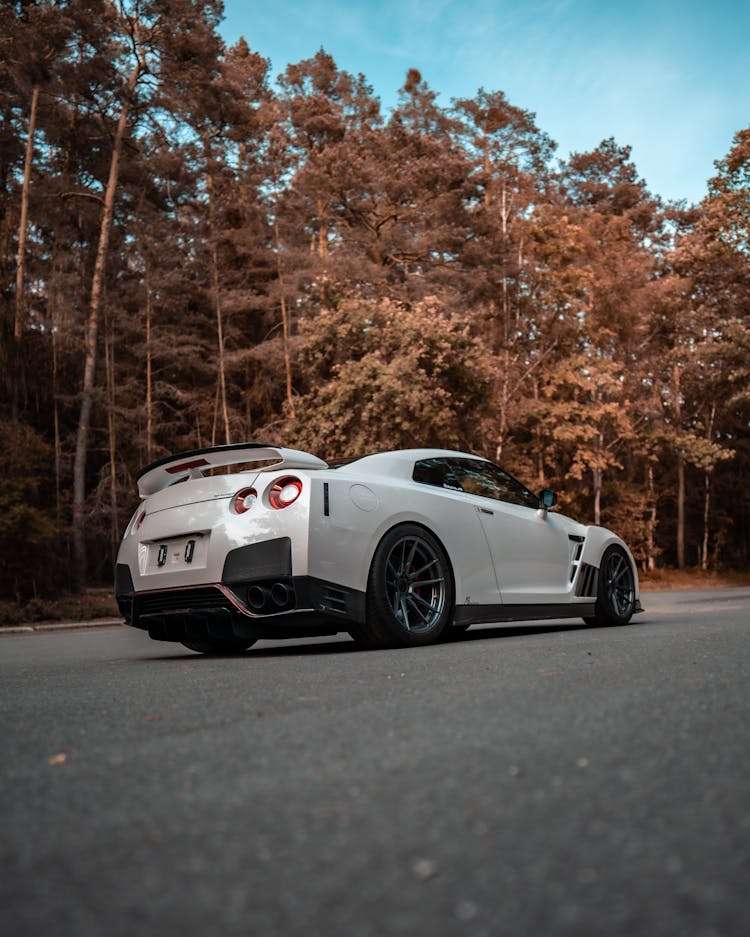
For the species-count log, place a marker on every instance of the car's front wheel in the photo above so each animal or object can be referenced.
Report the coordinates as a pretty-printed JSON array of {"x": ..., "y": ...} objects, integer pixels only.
[
  {"x": 409, "y": 590},
  {"x": 220, "y": 645},
  {"x": 615, "y": 601}
]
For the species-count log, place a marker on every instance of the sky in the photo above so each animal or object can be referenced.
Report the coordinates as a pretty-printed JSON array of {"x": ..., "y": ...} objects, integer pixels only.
[{"x": 669, "y": 78}]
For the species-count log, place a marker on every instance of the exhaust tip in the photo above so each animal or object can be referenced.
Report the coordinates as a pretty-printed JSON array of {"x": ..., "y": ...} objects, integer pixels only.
[
  {"x": 257, "y": 597},
  {"x": 280, "y": 594}
]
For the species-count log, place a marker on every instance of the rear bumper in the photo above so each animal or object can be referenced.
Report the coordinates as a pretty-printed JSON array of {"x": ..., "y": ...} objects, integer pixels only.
[{"x": 275, "y": 606}]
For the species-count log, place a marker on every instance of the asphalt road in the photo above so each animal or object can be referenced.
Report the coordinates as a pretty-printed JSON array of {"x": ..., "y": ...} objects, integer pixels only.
[{"x": 552, "y": 781}]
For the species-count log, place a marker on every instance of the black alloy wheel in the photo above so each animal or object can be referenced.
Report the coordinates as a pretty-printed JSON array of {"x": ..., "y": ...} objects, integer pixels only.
[
  {"x": 410, "y": 589},
  {"x": 615, "y": 601}
]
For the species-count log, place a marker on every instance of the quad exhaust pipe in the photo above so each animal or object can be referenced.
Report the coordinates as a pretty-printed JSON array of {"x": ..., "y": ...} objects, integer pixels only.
[{"x": 267, "y": 600}]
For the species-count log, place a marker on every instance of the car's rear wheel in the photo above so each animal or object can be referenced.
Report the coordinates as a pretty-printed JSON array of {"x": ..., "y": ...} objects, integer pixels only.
[
  {"x": 615, "y": 601},
  {"x": 409, "y": 590},
  {"x": 220, "y": 645}
]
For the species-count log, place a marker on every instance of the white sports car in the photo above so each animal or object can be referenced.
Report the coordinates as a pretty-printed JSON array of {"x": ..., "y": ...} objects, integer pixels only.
[{"x": 396, "y": 548}]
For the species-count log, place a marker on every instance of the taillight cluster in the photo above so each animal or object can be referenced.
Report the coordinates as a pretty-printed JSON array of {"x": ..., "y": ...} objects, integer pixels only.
[
  {"x": 282, "y": 493},
  {"x": 244, "y": 500}
]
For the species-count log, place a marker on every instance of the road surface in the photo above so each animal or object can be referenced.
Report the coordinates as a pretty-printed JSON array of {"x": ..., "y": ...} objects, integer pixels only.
[{"x": 549, "y": 781}]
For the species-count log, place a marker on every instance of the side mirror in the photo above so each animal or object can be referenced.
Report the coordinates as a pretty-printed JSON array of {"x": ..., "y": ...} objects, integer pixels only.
[{"x": 547, "y": 499}]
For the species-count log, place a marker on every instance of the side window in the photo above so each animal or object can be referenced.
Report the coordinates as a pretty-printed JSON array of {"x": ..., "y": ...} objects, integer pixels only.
[
  {"x": 490, "y": 481},
  {"x": 436, "y": 472}
]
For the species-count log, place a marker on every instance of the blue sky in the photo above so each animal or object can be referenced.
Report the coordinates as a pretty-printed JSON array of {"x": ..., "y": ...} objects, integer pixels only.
[{"x": 669, "y": 78}]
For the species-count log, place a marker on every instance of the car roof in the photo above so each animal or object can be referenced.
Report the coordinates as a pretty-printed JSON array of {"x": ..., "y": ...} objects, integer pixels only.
[{"x": 400, "y": 463}]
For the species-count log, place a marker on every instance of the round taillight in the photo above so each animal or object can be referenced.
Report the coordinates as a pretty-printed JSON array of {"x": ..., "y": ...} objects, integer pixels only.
[
  {"x": 244, "y": 500},
  {"x": 284, "y": 492}
]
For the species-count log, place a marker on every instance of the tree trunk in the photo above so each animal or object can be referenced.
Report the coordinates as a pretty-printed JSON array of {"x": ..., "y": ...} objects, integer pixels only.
[
  {"x": 54, "y": 325},
  {"x": 486, "y": 166},
  {"x": 707, "y": 492},
  {"x": 220, "y": 335},
  {"x": 90, "y": 340},
  {"x": 20, "y": 319},
  {"x": 56, "y": 422},
  {"x": 502, "y": 428},
  {"x": 215, "y": 418},
  {"x": 216, "y": 289},
  {"x": 109, "y": 360},
  {"x": 650, "y": 521},
  {"x": 540, "y": 474},
  {"x": 706, "y": 513},
  {"x": 284, "y": 320},
  {"x": 680, "y": 511},
  {"x": 149, "y": 389},
  {"x": 322, "y": 229},
  {"x": 676, "y": 391},
  {"x": 248, "y": 409},
  {"x": 597, "y": 476}
]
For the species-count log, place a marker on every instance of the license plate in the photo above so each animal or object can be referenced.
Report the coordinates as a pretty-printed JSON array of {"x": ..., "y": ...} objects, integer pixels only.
[{"x": 178, "y": 553}]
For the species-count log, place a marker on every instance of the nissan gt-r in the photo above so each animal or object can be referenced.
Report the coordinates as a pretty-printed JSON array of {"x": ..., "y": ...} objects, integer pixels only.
[{"x": 236, "y": 543}]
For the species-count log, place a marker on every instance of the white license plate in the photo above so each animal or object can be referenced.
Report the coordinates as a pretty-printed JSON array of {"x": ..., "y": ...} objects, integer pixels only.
[{"x": 178, "y": 553}]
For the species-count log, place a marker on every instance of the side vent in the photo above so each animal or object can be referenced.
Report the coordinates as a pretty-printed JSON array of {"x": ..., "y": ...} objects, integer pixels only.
[
  {"x": 334, "y": 600},
  {"x": 588, "y": 580},
  {"x": 576, "y": 546}
]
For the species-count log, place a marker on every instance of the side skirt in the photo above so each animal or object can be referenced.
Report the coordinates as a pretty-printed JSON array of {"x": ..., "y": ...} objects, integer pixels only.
[{"x": 486, "y": 614}]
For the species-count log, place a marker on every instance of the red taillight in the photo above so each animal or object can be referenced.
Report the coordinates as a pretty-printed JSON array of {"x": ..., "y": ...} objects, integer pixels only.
[
  {"x": 244, "y": 500},
  {"x": 136, "y": 521},
  {"x": 284, "y": 492}
]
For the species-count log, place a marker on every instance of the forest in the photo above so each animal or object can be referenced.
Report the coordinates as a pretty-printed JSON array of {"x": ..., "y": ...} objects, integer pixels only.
[{"x": 195, "y": 250}]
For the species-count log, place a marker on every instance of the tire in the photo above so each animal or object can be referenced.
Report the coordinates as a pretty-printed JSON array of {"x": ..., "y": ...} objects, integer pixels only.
[
  {"x": 220, "y": 645},
  {"x": 615, "y": 600},
  {"x": 409, "y": 590}
]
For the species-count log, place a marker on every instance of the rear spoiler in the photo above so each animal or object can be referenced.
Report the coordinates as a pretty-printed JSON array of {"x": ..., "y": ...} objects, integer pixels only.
[{"x": 195, "y": 462}]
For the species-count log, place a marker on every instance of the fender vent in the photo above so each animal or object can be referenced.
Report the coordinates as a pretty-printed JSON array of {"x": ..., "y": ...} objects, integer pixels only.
[
  {"x": 588, "y": 580},
  {"x": 335, "y": 600}
]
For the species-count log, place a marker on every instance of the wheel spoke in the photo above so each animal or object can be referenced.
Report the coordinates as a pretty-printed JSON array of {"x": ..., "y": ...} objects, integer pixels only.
[
  {"x": 410, "y": 559},
  {"x": 418, "y": 572},
  {"x": 405, "y": 612},
  {"x": 417, "y": 609},
  {"x": 426, "y": 582},
  {"x": 613, "y": 600},
  {"x": 418, "y": 598},
  {"x": 402, "y": 567}
]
